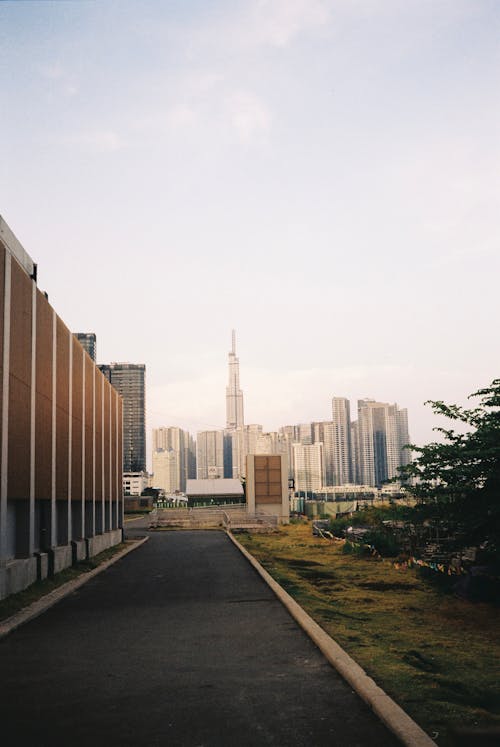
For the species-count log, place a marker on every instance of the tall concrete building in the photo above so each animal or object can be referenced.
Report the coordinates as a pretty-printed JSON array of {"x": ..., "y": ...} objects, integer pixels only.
[
  {"x": 234, "y": 395},
  {"x": 88, "y": 342},
  {"x": 234, "y": 439},
  {"x": 166, "y": 470},
  {"x": 323, "y": 432},
  {"x": 60, "y": 435},
  {"x": 209, "y": 455},
  {"x": 341, "y": 442},
  {"x": 382, "y": 432},
  {"x": 178, "y": 441},
  {"x": 308, "y": 467},
  {"x": 129, "y": 380}
]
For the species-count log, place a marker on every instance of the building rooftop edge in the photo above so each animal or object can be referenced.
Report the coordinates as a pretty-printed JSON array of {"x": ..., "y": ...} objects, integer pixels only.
[{"x": 14, "y": 246}]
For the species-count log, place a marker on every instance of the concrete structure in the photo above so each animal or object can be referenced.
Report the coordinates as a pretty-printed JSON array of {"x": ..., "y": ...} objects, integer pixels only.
[
  {"x": 341, "y": 442},
  {"x": 234, "y": 447},
  {"x": 234, "y": 395},
  {"x": 166, "y": 470},
  {"x": 217, "y": 491},
  {"x": 209, "y": 455},
  {"x": 270, "y": 443},
  {"x": 308, "y": 466},
  {"x": 267, "y": 486},
  {"x": 134, "y": 483},
  {"x": 88, "y": 342},
  {"x": 60, "y": 435},
  {"x": 175, "y": 440},
  {"x": 129, "y": 381},
  {"x": 382, "y": 432}
]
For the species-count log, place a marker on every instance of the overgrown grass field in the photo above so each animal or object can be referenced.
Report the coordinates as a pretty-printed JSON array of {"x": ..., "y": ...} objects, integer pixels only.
[{"x": 436, "y": 655}]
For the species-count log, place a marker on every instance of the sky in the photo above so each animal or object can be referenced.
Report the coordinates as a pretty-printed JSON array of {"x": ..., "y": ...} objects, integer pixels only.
[{"x": 322, "y": 176}]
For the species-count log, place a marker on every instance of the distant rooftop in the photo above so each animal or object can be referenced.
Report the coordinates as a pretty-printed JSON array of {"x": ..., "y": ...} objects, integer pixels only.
[{"x": 222, "y": 486}]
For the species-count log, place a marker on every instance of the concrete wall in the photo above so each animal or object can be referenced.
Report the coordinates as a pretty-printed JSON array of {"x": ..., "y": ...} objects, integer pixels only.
[
  {"x": 60, "y": 434},
  {"x": 267, "y": 486}
]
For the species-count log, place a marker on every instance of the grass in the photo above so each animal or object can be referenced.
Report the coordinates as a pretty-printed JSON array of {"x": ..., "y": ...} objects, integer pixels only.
[
  {"x": 16, "y": 602},
  {"x": 436, "y": 655}
]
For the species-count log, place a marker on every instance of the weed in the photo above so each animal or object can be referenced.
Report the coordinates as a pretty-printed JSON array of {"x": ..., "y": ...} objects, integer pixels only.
[{"x": 436, "y": 655}]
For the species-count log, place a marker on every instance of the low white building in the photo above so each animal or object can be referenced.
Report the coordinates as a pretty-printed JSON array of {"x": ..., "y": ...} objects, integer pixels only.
[
  {"x": 220, "y": 489},
  {"x": 134, "y": 483}
]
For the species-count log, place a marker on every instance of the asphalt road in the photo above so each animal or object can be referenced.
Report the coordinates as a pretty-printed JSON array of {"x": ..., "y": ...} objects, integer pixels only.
[{"x": 179, "y": 644}]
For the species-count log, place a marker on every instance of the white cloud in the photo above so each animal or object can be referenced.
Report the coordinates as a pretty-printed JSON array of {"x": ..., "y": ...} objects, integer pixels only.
[
  {"x": 52, "y": 71},
  {"x": 102, "y": 141},
  {"x": 181, "y": 116},
  {"x": 279, "y": 22},
  {"x": 59, "y": 78},
  {"x": 249, "y": 116}
]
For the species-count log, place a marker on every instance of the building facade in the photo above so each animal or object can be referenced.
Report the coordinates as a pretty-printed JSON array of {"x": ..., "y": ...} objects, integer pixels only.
[
  {"x": 129, "y": 380},
  {"x": 88, "y": 342},
  {"x": 341, "y": 442},
  {"x": 167, "y": 470},
  {"x": 234, "y": 395},
  {"x": 382, "y": 433},
  {"x": 209, "y": 455},
  {"x": 173, "y": 439},
  {"x": 60, "y": 439},
  {"x": 308, "y": 467}
]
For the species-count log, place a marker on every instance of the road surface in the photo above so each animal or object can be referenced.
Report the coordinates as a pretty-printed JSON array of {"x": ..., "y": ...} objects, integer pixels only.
[{"x": 179, "y": 644}]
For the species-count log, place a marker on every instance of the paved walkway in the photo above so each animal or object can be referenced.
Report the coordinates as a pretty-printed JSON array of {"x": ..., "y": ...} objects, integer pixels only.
[{"x": 179, "y": 644}]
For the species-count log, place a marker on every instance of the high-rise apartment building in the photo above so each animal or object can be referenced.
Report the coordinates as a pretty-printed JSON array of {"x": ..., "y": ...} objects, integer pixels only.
[
  {"x": 129, "y": 381},
  {"x": 382, "y": 432},
  {"x": 88, "y": 342},
  {"x": 209, "y": 455},
  {"x": 308, "y": 466},
  {"x": 178, "y": 441},
  {"x": 341, "y": 442},
  {"x": 166, "y": 470}
]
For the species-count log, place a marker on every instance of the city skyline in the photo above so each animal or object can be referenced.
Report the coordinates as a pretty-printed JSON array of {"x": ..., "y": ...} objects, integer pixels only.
[
  {"x": 321, "y": 176},
  {"x": 319, "y": 454}
]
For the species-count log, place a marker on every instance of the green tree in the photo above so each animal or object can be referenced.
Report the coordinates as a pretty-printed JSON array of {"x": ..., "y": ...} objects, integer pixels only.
[{"x": 457, "y": 481}]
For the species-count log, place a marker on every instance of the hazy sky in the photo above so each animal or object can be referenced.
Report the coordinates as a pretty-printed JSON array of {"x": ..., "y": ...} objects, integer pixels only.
[{"x": 322, "y": 176}]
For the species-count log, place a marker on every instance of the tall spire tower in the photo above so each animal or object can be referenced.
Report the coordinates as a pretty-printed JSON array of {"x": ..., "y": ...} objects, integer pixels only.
[{"x": 234, "y": 395}]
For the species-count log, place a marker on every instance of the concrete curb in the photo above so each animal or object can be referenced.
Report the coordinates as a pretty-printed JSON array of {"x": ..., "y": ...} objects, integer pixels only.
[
  {"x": 43, "y": 604},
  {"x": 392, "y": 715}
]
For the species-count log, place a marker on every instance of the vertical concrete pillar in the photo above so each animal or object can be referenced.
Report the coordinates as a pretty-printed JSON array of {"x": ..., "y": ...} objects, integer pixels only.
[
  {"x": 110, "y": 497},
  {"x": 4, "y": 461},
  {"x": 53, "y": 506},
  {"x": 94, "y": 415},
  {"x": 82, "y": 528},
  {"x": 70, "y": 433},
  {"x": 119, "y": 481},
  {"x": 31, "y": 531},
  {"x": 103, "y": 494}
]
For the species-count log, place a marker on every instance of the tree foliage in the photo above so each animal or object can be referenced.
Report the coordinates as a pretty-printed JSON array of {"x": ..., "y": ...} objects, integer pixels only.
[{"x": 458, "y": 480}]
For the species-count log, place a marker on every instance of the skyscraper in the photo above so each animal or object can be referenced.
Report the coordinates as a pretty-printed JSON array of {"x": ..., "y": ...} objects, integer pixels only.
[
  {"x": 178, "y": 441},
  {"x": 341, "y": 441},
  {"x": 308, "y": 466},
  {"x": 88, "y": 342},
  {"x": 129, "y": 380},
  {"x": 382, "y": 432},
  {"x": 209, "y": 455},
  {"x": 166, "y": 470},
  {"x": 234, "y": 395}
]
